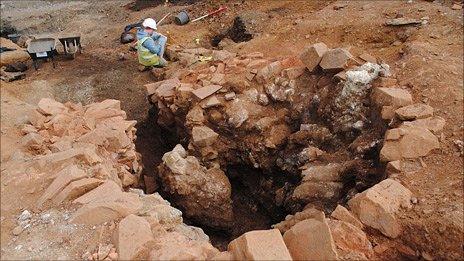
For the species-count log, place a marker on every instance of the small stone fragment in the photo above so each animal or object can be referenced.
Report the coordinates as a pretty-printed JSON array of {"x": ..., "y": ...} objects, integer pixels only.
[
  {"x": 456, "y": 7},
  {"x": 203, "y": 136},
  {"x": 17, "y": 230},
  {"x": 291, "y": 220},
  {"x": 229, "y": 96},
  {"x": 25, "y": 215},
  {"x": 335, "y": 60},
  {"x": 206, "y": 91},
  {"x": 368, "y": 58},
  {"x": 293, "y": 72},
  {"x": 395, "y": 97},
  {"x": 210, "y": 102},
  {"x": 394, "y": 167},
  {"x": 312, "y": 55},
  {"x": 343, "y": 214},
  {"x": 414, "y": 111}
]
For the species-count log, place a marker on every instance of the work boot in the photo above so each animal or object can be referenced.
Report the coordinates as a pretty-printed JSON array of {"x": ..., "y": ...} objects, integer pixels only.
[
  {"x": 143, "y": 68},
  {"x": 162, "y": 63}
]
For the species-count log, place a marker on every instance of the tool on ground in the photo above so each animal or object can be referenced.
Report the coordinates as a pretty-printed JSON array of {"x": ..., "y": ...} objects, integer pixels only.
[
  {"x": 42, "y": 48},
  {"x": 164, "y": 17},
  {"x": 183, "y": 17},
  {"x": 222, "y": 8},
  {"x": 71, "y": 45}
]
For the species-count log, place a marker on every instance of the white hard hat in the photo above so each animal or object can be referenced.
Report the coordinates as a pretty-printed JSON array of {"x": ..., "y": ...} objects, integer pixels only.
[{"x": 149, "y": 22}]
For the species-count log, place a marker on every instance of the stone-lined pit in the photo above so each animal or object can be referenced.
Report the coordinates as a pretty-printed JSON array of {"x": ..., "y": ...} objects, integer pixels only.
[{"x": 262, "y": 139}]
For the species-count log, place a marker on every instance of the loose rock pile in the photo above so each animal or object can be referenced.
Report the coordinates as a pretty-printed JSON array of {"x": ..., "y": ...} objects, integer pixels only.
[
  {"x": 84, "y": 157},
  {"x": 321, "y": 129},
  {"x": 278, "y": 116}
]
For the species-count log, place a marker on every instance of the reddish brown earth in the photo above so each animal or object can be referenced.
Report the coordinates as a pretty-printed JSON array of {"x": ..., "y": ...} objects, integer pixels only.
[{"x": 427, "y": 60}]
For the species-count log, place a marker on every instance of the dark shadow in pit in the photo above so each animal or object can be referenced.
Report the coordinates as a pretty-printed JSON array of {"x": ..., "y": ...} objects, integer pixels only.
[
  {"x": 254, "y": 203},
  {"x": 152, "y": 142},
  {"x": 249, "y": 212}
]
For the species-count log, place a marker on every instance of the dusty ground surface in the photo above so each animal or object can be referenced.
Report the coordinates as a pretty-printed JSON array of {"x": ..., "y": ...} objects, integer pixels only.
[{"x": 426, "y": 59}]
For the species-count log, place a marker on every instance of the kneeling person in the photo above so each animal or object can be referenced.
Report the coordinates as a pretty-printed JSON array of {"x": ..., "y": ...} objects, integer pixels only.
[{"x": 150, "y": 45}]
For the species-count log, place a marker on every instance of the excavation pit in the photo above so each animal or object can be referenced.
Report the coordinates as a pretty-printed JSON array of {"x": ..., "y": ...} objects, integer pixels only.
[{"x": 288, "y": 140}]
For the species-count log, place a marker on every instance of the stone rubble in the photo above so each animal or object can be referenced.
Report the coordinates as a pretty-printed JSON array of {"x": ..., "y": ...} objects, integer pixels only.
[
  {"x": 239, "y": 110},
  {"x": 415, "y": 136},
  {"x": 89, "y": 154},
  {"x": 255, "y": 99}
]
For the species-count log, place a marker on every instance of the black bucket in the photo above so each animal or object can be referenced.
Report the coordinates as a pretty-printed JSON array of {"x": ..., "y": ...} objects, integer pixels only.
[{"x": 182, "y": 18}]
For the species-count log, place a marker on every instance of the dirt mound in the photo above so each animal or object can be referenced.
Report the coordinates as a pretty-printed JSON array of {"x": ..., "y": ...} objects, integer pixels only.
[{"x": 139, "y": 5}]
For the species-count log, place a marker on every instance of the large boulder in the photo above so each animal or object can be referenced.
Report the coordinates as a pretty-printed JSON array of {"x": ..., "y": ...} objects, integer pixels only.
[
  {"x": 311, "y": 239},
  {"x": 407, "y": 142},
  {"x": 259, "y": 245},
  {"x": 204, "y": 194},
  {"x": 379, "y": 205}
]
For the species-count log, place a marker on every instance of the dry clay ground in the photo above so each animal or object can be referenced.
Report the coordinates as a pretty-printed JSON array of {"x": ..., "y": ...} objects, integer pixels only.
[{"x": 427, "y": 59}]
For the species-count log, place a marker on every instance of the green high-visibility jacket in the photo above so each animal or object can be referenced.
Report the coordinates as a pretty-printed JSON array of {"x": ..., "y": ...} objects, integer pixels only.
[{"x": 146, "y": 57}]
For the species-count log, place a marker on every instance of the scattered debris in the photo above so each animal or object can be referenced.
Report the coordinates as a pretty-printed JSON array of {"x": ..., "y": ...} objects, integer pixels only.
[{"x": 403, "y": 21}]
